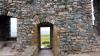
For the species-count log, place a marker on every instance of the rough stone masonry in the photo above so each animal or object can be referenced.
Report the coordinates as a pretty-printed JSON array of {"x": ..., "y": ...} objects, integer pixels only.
[{"x": 72, "y": 17}]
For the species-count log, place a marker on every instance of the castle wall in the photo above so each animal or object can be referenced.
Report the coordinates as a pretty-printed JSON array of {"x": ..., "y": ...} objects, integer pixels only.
[{"x": 72, "y": 17}]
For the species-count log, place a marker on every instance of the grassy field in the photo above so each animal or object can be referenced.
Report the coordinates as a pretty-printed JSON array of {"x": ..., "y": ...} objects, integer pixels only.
[{"x": 45, "y": 40}]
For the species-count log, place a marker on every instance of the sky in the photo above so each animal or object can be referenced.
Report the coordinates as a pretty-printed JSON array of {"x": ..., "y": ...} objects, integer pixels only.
[
  {"x": 45, "y": 30},
  {"x": 13, "y": 27}
]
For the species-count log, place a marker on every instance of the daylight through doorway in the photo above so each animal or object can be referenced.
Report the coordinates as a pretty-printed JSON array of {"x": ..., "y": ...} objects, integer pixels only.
[{"x": 45, "y": 37}]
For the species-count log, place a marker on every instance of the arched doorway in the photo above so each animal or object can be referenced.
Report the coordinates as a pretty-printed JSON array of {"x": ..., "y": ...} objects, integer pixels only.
[{"x": 48, "y": 42}]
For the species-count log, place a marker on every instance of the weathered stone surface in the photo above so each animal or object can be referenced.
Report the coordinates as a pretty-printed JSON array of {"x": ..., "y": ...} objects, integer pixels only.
[{"x": 72, "y": 17}]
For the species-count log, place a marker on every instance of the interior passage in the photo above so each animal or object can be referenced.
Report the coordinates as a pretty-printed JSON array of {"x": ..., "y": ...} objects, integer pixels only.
[{"x": 47, "y": 52}]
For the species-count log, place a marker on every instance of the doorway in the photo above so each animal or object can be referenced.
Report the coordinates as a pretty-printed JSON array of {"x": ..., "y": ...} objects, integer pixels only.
[
  {"x": 45, "y": 35},
  {"x": 4, "y": 28}
]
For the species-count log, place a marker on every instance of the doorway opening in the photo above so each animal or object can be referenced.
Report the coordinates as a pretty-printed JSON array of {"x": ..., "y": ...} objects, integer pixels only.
[
  {"x": 4, "y": 28},
  {"x": 45, "y": 35},
  {"x": 6, "y": 38},
  {"x": 6, "y": 25}
]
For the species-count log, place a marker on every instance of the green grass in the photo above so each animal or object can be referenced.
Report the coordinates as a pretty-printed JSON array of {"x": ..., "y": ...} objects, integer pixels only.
[
  {"x": 45, "y": 37},
  {"x": 45, "y": 40}
]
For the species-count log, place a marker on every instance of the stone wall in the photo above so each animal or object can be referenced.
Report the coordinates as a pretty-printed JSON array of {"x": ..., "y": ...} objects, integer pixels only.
[
  {"x": 72, "y": 17},
  {"x": 24, "y": 13},
  {"x": 55, "y": 42},
  {"x": 3, "y": 10}
]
